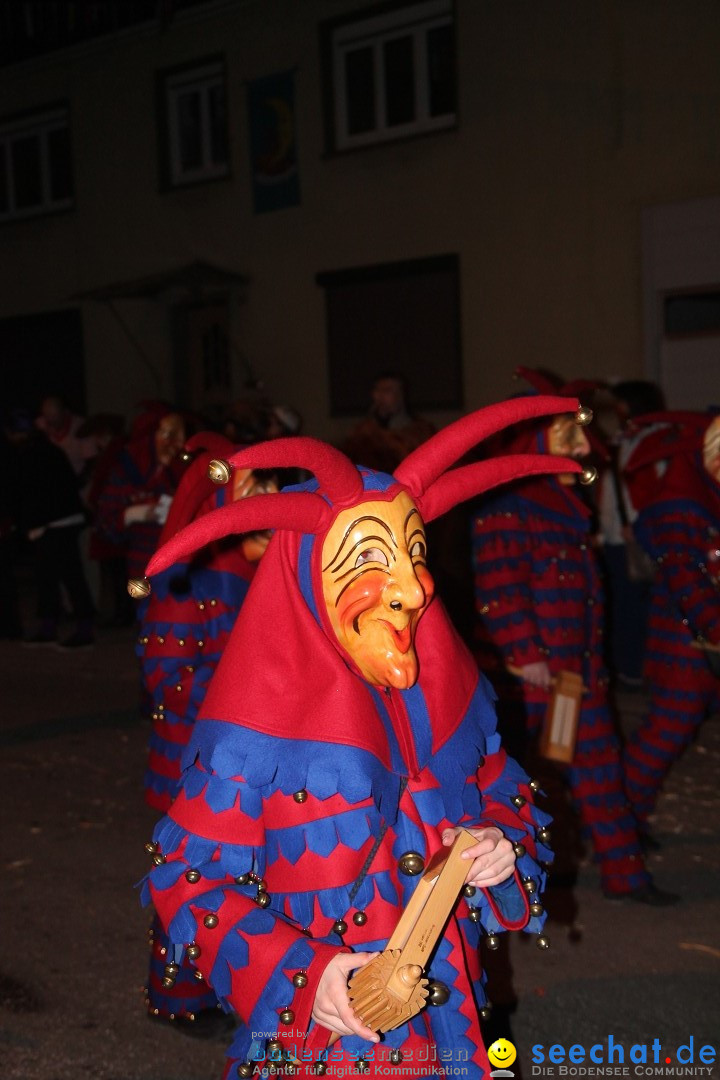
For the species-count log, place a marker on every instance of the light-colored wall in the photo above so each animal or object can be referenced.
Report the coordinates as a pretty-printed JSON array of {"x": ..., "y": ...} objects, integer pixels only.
[{"x": 574, "y": 115}]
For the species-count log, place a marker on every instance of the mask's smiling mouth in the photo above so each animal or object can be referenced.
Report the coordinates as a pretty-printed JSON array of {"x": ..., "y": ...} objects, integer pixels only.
[{"x": 402, "y": 638}]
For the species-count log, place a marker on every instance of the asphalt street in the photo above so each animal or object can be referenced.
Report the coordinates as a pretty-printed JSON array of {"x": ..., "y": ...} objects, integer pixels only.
[{"x": 74, "y": 956}]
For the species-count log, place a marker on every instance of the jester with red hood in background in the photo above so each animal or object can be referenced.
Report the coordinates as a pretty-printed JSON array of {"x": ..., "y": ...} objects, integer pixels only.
[
  {"x": 184, "y": 627},
  {"x": 344, "y": 738},
  {"x": 539, "y": 598},
  {"x": 133, "y": 503},
  {"x": 674, "y": 480}
]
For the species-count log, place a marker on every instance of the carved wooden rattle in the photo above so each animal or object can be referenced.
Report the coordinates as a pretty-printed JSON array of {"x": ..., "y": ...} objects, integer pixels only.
[{"x": 390, "y": 989}]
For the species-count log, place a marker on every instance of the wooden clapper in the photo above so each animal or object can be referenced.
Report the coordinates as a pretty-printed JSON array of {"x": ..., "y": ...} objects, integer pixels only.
[
  {"x": 559, "y": 732},
  {"x": 390, "y": 989}
]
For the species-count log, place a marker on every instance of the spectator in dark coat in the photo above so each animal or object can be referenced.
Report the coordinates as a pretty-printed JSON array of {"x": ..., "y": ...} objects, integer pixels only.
[{"x": 50, "y": 513}]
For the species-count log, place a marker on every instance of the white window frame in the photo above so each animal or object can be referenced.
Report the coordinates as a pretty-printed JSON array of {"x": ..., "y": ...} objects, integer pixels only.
[
  {"x": 200, "y": 80},
  {"x": 376, "y": 32},
  {"x": 38, "y": 126}
]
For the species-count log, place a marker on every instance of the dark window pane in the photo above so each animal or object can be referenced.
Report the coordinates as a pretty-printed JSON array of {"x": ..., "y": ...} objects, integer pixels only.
[
  {"x": 441, "y": 70},
  {"x": 218, "y": 125},
  {"x": 216, "y": 362},
  {"x": 58, "y": 145},
  {"x": 27, "y": 172},
  {"x": 360, "y": 91},
  {"x": 3, "y": 180},
  {"x": 692, "y": 314},
  {"x": 414, "y": 330},
  {"x": 399, "y": 81},
  {"x": 189, "y": 130}
]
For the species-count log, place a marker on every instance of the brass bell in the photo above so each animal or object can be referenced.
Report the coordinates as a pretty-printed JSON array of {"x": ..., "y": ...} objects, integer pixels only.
[
  {"x": 534, "y": 785},
  {"x": 192, "y": 876},
  {"x": 319, "y": 1068},
  {"x": 438, "y": 993},
  {"x": 245, "y": 1070},
  {"x": 588, "y": 475},
  {"x": 339, "y": 927},
  {"x": 493, "y": 942},
  {"x": 300, "y": 796},
  {"x": 261, "y": 884},
  {"x": 151, "y": 847},
  {"x": 544, "y": 835},
  {"x": 396, "y": 1057},
  {"x": 519, "y": 850},
  {"x": 194, "y": 951},
  {"x": 469, "y": 890},
  {"x": 211, "y": 921},
  {"x": 219, "y": 471},
  {"x": 242, "y": 879},
  {"x": 411, "y": 864},
  {"x": 263, "y": 899},
  {"x": 542, "y": 942},
  {"x": 359, "y": 918},
  {"x": 529, "y": 886},
  {"x": 362, "y": 1066},
  {"x": 486, "y": 1011},
  {"x": 519, "y": 801},
  {"x": 300, "y": 979},
  {"x": 139, "y": 587},
  {"x": 583, "y": 416},
  {"x": 273, "y": 1049},
  {"x": 159, "y": 859},
  {"x": 287, "y": 1016},
  {"x": 167, "y": 983},
  {"x": 171, "y": 970},
  {"x": 474, "y": 915},
  {"x": 536, "y": 908},
  {"x": 185, "y": 456}
]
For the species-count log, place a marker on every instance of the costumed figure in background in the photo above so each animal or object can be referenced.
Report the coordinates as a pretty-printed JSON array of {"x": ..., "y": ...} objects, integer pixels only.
[
  {"x": 184, "y": 626},
  {"x": 628, "y": 570},
  {"x": 133, "y": 504},
  {"x": 116, "y": 608},
  {"x": 345, "y": 736},
  {"x": 674, "y": 481},
  {"x": 539, "y": 597}
]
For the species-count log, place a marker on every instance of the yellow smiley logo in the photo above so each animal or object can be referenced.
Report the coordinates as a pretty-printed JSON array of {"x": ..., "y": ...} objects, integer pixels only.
[{"x": 501, "y": 1054}]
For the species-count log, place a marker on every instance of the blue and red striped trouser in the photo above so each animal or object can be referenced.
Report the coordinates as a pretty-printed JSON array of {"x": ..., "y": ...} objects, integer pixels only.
[
  {"x": 596, "y": 782},
  {"x": 683, "y": 692}
]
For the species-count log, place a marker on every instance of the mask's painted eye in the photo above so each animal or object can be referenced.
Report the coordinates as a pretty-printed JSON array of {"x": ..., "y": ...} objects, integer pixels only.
[
  {"x": 372, "y": 555},
  {"x": 418, "y": 550}
]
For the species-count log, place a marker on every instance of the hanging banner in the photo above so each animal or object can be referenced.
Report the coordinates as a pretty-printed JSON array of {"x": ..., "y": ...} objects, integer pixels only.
[{"x": 273, "y": 153}]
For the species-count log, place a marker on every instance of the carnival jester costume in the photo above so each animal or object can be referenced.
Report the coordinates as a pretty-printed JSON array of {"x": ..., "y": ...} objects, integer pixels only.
[
  {"x": 344, "y": 736},
  {"x": 184, "y": 627},
  {"x": 539, "y": 596},
  {"x": 674, "y": 478}
]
